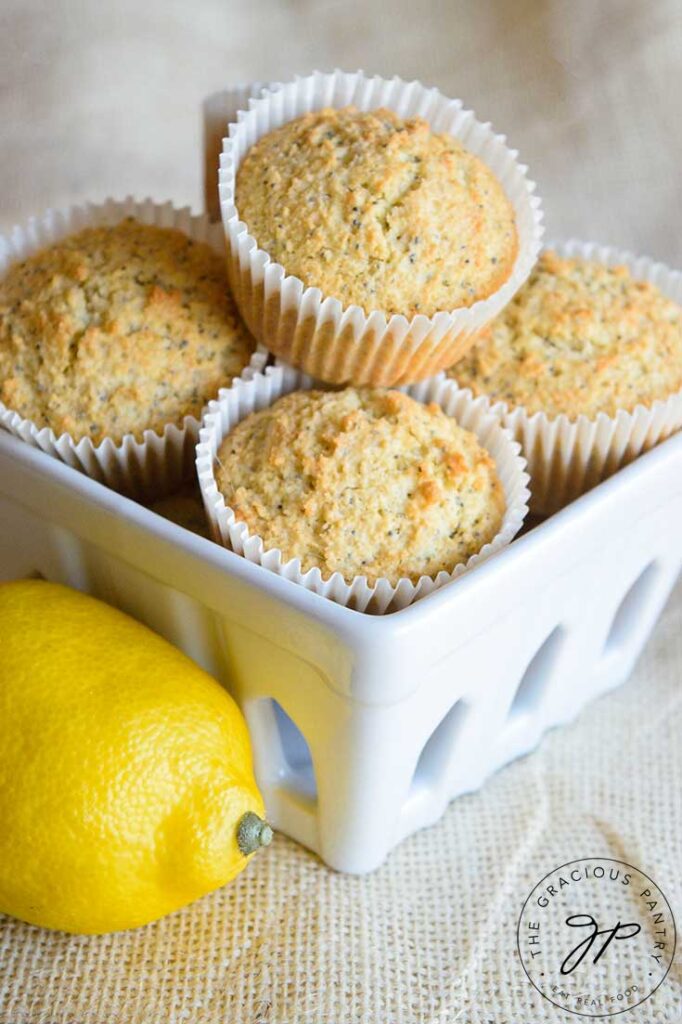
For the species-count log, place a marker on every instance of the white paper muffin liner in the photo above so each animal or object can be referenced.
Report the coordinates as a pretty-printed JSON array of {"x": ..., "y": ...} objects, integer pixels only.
[
  {"x": 219, "y": 109},
  {"x": 159, "y": 463},
  {"x": 568, "y": 457},
  {"x": 255, "y": 391},
  {"x": 318, "y": 334}
]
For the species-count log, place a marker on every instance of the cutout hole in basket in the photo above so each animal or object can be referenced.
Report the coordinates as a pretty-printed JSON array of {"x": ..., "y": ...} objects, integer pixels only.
[
  {"x": 296, "y": 772},
  {"x": 624, "y": 627},
  {"x": 438, "y": 748},
  {"x": 533, "y": 684}
]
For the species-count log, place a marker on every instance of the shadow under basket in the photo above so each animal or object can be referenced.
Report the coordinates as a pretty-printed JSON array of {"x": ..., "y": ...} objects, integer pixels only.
[{"x": 364, "y": 727}]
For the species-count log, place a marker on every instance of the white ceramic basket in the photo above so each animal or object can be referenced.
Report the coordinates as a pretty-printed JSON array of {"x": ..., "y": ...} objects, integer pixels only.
[{"x": 364, "y": 727}]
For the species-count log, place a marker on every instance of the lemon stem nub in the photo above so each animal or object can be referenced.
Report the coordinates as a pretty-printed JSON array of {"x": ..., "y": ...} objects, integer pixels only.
[{"x": 252, "y": 833}]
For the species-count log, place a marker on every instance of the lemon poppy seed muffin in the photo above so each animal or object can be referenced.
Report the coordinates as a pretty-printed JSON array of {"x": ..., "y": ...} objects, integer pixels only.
[
  {"x": 115, "y": 330},
  {"x": 361, "y": 482},
  {"x": 378, "y": 211},
  {"x": 579, "y": 338}
]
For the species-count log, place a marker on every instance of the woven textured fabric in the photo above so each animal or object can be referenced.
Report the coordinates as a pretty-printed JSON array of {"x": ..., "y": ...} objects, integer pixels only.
[
  {"x": 431, "y": 936},
  {"x": 587, "y": 91},
  {"x": 102, "y": 99}
]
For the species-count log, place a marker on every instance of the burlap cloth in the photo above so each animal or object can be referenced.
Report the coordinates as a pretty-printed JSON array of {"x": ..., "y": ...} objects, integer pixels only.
[
  {"x": 103, "y": 99},
  {"x": 431, "y": 936}
]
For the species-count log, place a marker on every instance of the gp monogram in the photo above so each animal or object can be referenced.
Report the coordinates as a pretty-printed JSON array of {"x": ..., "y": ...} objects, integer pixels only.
[{"x": 596, "y": 937}]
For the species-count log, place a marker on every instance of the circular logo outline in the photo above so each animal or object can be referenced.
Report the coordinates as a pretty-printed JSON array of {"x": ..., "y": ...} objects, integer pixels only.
[{"x": 583, "y": 860}]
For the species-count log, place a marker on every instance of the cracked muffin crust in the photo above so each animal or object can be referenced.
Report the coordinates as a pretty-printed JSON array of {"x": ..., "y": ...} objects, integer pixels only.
[
  {"x": 578, "y": 338},
  {"x": 115, "y": 330},
  {"x": 361, "y": 482},
  {"x": 378, "y": 211}
]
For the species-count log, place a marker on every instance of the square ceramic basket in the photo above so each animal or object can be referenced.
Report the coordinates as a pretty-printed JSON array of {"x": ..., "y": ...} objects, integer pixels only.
[{"x": 364, "y": 727}]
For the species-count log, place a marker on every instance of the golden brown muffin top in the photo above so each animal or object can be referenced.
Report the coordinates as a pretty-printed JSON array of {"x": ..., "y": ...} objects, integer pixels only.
[
  {"x": 362, "y": 482},
  {"x": 378, "y": 211},
  {"x": 578, "y": 338},
  {"x": 114, "y": 330}
]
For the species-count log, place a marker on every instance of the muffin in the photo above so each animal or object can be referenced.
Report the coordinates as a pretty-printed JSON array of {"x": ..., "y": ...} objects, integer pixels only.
[
  {"x": 373, "y": 226},
  {"x": 363, "y": 483},
  {"x": 116, "y": 330},
  {"x": 584, "y": 367},
  {"x": 579, "y": 339},
  {"x": 378, "y": 211}
]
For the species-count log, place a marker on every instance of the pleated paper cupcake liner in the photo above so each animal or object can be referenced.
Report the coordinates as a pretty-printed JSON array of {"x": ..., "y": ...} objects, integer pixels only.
[
  {"x": 159, "y": 463},
  {"x": 219, "y": 109},
  {"x": 568, "y": 457},
  {"x": 257, "y": 391},
  {"x": 316, "y": 333}
]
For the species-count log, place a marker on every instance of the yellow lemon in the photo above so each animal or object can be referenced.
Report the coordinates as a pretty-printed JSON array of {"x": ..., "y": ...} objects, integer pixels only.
[{"x": 126, "y": 785}]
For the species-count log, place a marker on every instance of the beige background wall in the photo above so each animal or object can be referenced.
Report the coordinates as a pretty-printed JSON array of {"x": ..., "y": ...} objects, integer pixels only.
[{"x": 104, "y": 98}]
